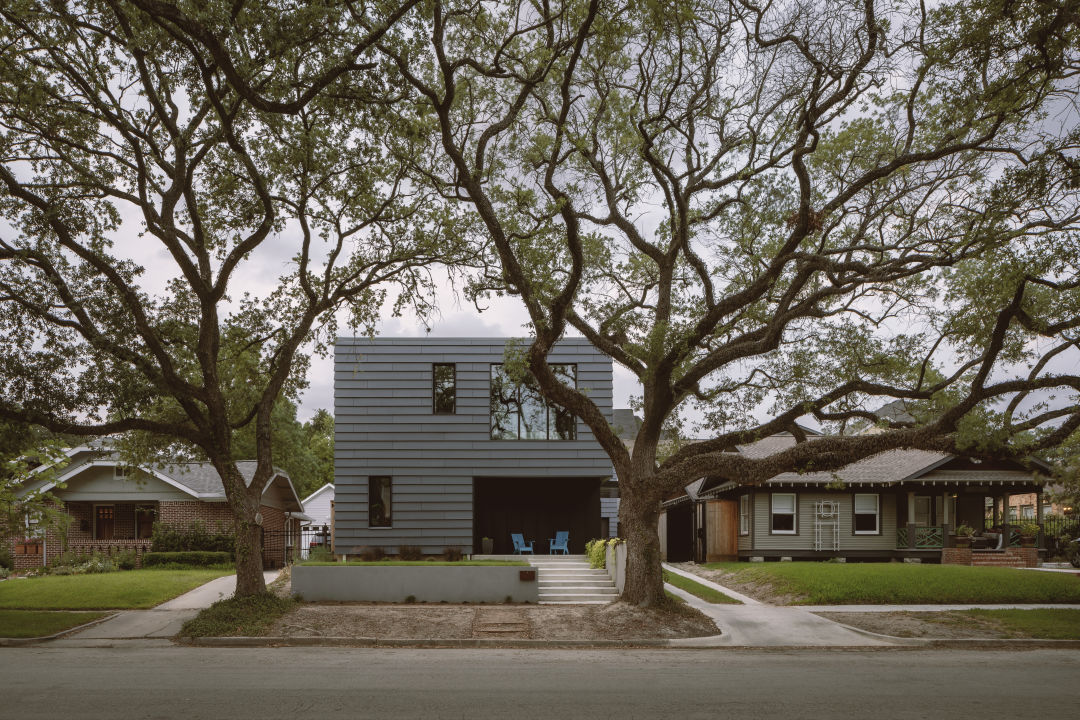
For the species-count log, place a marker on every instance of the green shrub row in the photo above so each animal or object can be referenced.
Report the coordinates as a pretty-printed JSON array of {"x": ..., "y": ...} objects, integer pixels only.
[
  {"x": 596, "y": 550},
  {"x": 196, "y": 558},
  {"x": 196, "y": 536}
]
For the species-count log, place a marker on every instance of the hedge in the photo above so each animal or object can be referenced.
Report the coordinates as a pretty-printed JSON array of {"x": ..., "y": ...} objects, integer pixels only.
[{"x": 198, "y": 558}]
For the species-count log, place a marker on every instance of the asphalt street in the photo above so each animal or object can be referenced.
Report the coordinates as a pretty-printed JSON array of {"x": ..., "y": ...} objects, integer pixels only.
[{"x": 136, "y": 682}]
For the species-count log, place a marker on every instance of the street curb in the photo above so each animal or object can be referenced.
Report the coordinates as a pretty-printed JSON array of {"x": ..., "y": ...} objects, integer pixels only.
[
  {"x": 261, "y": 642},
  {"x": 23, "y": 642}
]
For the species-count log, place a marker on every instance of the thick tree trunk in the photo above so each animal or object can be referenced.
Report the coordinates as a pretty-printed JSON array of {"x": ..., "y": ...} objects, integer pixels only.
[
  {"x": 249, "y": 566},
  {"x": 644, "y": 578}
]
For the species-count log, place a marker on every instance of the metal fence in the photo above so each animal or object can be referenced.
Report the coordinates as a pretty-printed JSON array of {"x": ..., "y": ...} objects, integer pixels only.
[{"x": 314, "y": 537}]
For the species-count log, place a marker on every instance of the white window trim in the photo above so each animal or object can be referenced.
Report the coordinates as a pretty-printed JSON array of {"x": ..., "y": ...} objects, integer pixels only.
[
  {"x": 877, "y": 513},
  {"x": 794, "y": 514},
  {"x": 744, "y": 514},
  {"x": 121, "y": 472}
]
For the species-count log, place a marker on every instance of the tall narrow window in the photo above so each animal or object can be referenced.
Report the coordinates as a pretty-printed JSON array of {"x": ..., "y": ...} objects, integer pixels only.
[
  {"x": 520, "y": 412},
  {"x": 867, "y": 512},
  {"x": 444, "y": 388},
  {"x": 783, "y": 513},
  {"x": 744, "y": 514},
  {"x": 379, "y": 497},
  {"x": 104, "y": 522},
  {"x": 144, "y": 522}
]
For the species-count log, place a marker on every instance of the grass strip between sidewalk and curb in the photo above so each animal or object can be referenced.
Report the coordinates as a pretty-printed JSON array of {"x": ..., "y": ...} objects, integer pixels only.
[
  {"x": 704, "y": 592},
  {"x": 817, "y": 583},
  {"x": 416, "y": 563},
  {"x": 126, "y": 590},
  {"x": 239, "y": 617},
  {"x": 42, "y": 623},
  {"x": 1045, "y": 624}
]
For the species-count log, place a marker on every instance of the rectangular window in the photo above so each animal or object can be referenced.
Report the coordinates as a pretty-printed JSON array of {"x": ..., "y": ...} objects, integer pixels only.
[
  {"x": 379, "y": 496},
  {"x": 144, "y": 522},
  {"x": 923, "y": 510},
  {"x": 444, "y": 388},
  {"x": 104, "y": 522},
  {"x": 783, "y": 513},
  {"x": 120, "y": 471},
  {"x": 867, "y": 512},
  {"x": 520, "y": 412},
  {"x": 744, "y": 514}
]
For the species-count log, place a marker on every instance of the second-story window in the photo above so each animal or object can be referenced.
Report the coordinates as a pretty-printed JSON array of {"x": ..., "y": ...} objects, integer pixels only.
[
  {"x": 444, "y": 388},
  {"x": 520, "y": 412}
]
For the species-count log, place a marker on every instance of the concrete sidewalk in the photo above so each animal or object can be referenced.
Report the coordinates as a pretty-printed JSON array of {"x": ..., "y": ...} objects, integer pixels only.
[{"x": 157, "y": 625}]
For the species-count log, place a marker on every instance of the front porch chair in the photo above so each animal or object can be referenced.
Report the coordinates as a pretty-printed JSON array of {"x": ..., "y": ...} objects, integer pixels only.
[
  {"x": 560, "y": 542},
  {"x": 520, "y": 546}
]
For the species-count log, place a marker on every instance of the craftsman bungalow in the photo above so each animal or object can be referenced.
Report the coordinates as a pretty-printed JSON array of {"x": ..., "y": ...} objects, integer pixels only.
[
  {"x": 113, "y": 507},
  {"x": 900, "y": 504}
]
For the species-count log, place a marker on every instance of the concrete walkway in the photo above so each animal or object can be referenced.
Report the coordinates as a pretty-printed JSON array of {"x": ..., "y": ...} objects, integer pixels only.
[{"x": 157, "y": 625}]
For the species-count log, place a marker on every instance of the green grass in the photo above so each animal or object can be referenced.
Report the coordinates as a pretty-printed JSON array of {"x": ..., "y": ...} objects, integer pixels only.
[
  {"x": 1057, "y": 624},
  {"x": 239, "y": 617},
  {"x": 36, "y": 623},
  {"x": 904, "y": 583},
  {"x": 695, "y": 588},
  {"x": 105, "y": 591},
  {"x": 419, "y": 563}
]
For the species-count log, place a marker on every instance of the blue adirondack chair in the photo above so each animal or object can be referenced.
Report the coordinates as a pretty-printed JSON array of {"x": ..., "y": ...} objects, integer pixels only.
[
  {"x": 560, "y": 542},
  {"x": 520, "y": 546}
]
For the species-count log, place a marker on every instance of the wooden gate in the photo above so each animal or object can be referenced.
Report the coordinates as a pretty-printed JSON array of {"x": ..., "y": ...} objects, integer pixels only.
[{"x": 722, "y": 521}]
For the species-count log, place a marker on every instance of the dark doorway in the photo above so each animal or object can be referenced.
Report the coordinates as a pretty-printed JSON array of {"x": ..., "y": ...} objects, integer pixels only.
[
  {"x": 536, "y": 508},
  {"x": 680, "y": 533}
]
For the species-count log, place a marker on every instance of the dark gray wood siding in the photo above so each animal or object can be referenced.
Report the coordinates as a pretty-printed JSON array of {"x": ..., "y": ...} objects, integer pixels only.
[{"x": 385, "y": 425}]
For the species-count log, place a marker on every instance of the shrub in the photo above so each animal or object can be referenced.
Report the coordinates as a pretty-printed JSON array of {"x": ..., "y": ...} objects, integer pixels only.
[
  {"x": 372, "y": 554},
  {"x": 125, "y": 560},
  {"x": 320, "y": 553},
  {"x": 596, "y": 550},
  {"x": 69, "y": 563},
  {"x": 191, "y": 558},
  {"x": 1029, "y": 530},
  {"x": 410, "y": 552},
  {"x": 452, "y": 554},
  {"x": 177, "y": 538},
  {"x": 4, "y": 572},
  {"x": 6, "y": 561}
]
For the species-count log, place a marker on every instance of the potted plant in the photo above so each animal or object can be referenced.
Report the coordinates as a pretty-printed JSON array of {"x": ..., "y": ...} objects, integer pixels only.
[
  {"x": 1028, "y": 533},
  {"x": 964, "y": 533},
  {"x": 488, "y": 545}
]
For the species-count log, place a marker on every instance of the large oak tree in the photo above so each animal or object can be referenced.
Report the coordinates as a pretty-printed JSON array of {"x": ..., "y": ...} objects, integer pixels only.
[
  {"x": 776, "y": 210},
  {"x": 169, "y": 254}
]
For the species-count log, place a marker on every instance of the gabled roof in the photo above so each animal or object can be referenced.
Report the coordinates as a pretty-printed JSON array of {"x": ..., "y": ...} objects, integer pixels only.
[{"x": 320, "y": 491}]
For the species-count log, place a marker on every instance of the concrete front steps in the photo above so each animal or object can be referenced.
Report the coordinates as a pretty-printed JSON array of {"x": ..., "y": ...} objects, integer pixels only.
[{"x": 568, "y": 580}]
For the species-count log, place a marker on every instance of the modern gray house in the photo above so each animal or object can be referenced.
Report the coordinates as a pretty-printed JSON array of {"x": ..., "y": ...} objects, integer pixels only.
[{"x": 436, "y": 447}]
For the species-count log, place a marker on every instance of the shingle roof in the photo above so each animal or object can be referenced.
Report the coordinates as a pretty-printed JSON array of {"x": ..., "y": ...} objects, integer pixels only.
[
  {"x": 203, "y": 479},
  {"x": 625, "y": 422}
]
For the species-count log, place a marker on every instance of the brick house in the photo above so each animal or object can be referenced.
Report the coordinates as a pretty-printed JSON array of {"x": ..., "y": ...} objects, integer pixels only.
[{"x": 113, "y": 507}]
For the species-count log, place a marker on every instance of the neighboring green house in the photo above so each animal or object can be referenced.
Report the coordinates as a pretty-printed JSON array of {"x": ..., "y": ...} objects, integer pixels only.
[{"x": 896, "y": 505}]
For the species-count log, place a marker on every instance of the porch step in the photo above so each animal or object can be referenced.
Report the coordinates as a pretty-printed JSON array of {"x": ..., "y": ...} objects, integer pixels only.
[{"x": 568, "y": 580}]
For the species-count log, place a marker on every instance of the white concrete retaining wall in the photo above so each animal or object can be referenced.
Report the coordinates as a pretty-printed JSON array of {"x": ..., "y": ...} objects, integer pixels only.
[
  {"x": 615, "y": 562},
  {"x": 395, "y": 583}
]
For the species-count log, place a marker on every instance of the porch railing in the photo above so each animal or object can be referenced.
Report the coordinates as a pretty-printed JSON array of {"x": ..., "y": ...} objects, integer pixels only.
[{"x": 926, "y": 538}]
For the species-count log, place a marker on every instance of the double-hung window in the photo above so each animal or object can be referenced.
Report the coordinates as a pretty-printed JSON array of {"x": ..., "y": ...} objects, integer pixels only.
[
  {"x": 867, "y": 514},
  {"x": 783, "y": 514},
  {"x": 744, "y": 514}
]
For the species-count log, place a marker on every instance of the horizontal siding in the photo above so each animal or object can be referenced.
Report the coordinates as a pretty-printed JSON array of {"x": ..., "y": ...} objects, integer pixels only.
[
  {"x": 384, "y": 425},
  {"x": 804, "y": 540}
]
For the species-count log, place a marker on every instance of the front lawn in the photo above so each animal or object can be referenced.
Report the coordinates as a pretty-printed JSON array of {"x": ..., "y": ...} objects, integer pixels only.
[
  {"x": 704, "y": 592},
  {"x": 815, "y": 583},
  {"x": 105, "y": 591},
  {"x": 36, "y": 623}
]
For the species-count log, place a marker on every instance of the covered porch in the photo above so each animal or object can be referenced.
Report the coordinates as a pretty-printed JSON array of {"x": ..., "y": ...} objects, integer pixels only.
[
  {"x": 929, "y": 513},
  {"x": 536, "y": 508}
]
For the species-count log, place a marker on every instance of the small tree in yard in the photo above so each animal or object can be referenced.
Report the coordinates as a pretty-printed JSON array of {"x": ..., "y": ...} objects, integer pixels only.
[
  {"x": 785, "y": 210},
  {"x": 141, "y": 196}
]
